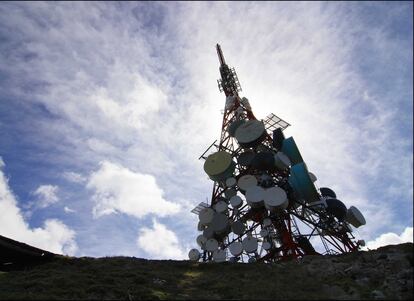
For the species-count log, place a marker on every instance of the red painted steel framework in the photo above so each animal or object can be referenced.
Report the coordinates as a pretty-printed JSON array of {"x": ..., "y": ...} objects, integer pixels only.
[{"x": 336, "y": 238}]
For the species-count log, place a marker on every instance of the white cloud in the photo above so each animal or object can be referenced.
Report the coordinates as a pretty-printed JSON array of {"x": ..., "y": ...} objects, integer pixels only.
[
  {"x": 160, "y": 243},
  {"x": 74, "y": 177},
  {"x": 118, "y": 189},
  {"x": 391, "y": 239},
  {"x": 46, "y": 195},
  {"x": 68, "y": 210},
  {"x": 54, "y": 236}
]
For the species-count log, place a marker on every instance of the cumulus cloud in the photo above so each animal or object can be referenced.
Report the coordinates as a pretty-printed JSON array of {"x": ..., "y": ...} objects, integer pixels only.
[
  {"x": 46, "y": 195},
  {"x": 54, "y": 236},
  {"x": 391, "y": 238},
  {"x": 160, "y": 243},
  {"x": 120, "y": 190}
]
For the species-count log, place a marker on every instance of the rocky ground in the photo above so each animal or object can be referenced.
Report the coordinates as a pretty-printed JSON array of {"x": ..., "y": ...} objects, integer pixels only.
[{"x": 386, "y": 273}]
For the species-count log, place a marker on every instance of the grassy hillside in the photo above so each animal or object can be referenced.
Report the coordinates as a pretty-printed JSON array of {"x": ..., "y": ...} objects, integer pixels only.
[{"x": 383, "y": 273}]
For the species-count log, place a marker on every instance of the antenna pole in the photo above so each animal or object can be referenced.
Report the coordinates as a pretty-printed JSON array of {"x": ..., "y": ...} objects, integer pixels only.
[{"x": 220, "y": 55}]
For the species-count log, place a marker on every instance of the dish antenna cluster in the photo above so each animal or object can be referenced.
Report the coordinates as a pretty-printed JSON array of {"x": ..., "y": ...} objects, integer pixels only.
[{"x": 265, "y": 205}]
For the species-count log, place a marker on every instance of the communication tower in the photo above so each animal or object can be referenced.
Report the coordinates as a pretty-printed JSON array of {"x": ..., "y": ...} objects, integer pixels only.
[{"x": 265, "y": 206}]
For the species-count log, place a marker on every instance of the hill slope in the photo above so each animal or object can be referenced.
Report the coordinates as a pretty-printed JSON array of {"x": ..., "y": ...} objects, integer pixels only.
[{"x": 383, "y": 273}]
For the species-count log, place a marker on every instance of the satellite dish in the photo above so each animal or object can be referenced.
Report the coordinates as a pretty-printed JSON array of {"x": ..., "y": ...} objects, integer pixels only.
[
  {"x": 220, "y": 223},
  {"x": 201, "y": 241},
  {"x": 200, "y": 226},
  {"x": 238, "y": 227},
  {"x": 251, "y": 133},
  {"x": 236, "y": 248},
  {"x": 250, "y": 244},
  {"x": 246, "y": 181},
  {"x": 219, "y": 166},
  {"x": 219, "y": 255},
  {"x": 236, "y": 201},
  {"x": 281, "y": 161},
  {"x": 194, "y": 255},
  {"x": 267, "y": 222},
  {"x": 275, "y": 198},
  {"x": 208, "y": 232},
  {"x": 230, "y": 192},
  {"x": 312, "y": 177},
  {"x": 336, "y": 208},
  {"x": 231, "y": 129},
  {"x": 255, "y": 196},
  {"x": 327, "y": 192},
  {"x": 211, "y": 245},
  {"x": 355, "y": 217},
  {"x": 264, "y": 232},
  {"x": 221, "y": 207},
  {"x": 230, "y": 182},
  {"x": 246, "y": 158},
  {"x": 263, "y": 161},
  {"x": 266, "y": 245},
  {"x": 206, "y": 216}
]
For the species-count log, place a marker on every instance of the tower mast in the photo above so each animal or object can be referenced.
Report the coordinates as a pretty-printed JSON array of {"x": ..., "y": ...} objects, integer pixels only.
[{"x": 264, "y": 204}]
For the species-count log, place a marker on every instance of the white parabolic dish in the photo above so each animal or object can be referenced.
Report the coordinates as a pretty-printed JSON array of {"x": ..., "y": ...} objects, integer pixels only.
[
  {"x": 312, "y": 177},
  {"x": 238, "y": 227},
  {"x": 236, "y": 248},
  {"x": 246, "y": 181},
  {"x": 355, "y": 217},
  {"x": 201, "y": 241},
  {"x": 211, "y": 244},
  {"x": 250, "y": 132},
  {"x": 266, "y": 245},
  {"x": 230, "y": 192},
  {"x": 220, "y": 206},
  {"x": 219, "y": 255},
  {"x": 267, "y": 222},
  {"x": 255, "y": 196},
  {"x": 219, "y": 165},
  {"x": 281, "y": 161},
  {"x": 275, "y": 198},
  {"x": 208, "y": 232},
  {"x": 206, "y": 216},
  {"x": 250, "y": 244},
  {"x": 194, "y": 255},
  {"x": 236, "y": 201},
  {"x": 230, "y": 182},
  {"x": 264, "y": 233},
  {"x": 220, "y": 223}
]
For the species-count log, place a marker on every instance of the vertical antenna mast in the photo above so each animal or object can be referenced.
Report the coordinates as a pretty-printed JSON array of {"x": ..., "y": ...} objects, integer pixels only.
[
  {"x": 264, "y": 205},
  {"x": 229, "y": 83},
  {"x": 220, "y": 55}
]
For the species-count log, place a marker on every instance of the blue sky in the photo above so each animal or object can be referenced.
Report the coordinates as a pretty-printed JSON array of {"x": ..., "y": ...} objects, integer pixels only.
[{"x": 105, "y": 108}]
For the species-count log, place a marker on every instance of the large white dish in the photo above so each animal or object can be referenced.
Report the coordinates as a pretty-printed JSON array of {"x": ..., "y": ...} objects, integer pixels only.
[
  {"x": 255, "y": 196},
  {"x": 194, "y": 255},
  {"x": 275, "y": 198},
  {"x": 251, "y": 133},
  {"x": 250, "y": 244},
  {"x": 236, "y": 248},
  {"x": 246, "y": 181}
]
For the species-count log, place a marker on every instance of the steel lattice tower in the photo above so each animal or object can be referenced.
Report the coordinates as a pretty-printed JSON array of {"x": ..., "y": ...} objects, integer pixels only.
[{"x": 265, "y": 207}]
